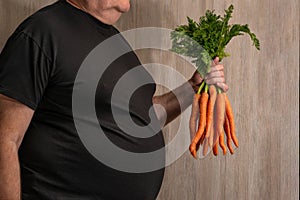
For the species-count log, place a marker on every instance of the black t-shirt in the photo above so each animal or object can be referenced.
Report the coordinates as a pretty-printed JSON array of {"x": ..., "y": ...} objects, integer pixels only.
[{"x": 38, "y": 67}]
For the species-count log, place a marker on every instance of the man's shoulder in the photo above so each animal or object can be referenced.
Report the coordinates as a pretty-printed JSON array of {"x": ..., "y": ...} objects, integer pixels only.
[{"x": 44, "y": 21}]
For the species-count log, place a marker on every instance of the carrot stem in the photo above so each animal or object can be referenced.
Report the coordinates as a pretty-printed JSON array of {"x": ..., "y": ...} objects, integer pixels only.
[
  {"x": 219, "y": 90},
  {"x": 201, "y": 87},
  {"x": 206, "y": 88}
]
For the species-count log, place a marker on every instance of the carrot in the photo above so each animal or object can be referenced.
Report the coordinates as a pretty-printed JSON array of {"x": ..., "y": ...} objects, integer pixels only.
[
  {"x": 221, "y": 142},
  {"x": 215, "y": 138},
  {"x": 229, "y": 114},
  {"x": 213, "y": 134},
  {"x": 206, "y": 140},
  {"x": 219, "y": 113},
  {"x": 203, "y": 137},
  {"x": 227, "y": 132},
  {"x": 210, "y": 109},
  {"x": 215, "y": 148},
  {"x": 205, "y": 146},
  {"x": 194, "y": 115},
  {"x": 202, "y": 123},
  {"x": 205, "y": 131}
]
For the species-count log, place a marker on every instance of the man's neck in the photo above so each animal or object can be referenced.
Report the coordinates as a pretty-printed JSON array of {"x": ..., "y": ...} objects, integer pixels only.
[
  {"x": 92, "y": 7},
  {"x": 76, "y": 4}
]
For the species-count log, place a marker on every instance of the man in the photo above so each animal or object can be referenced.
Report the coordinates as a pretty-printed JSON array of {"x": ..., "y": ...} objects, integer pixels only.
[{"x": 41, "y": 155}]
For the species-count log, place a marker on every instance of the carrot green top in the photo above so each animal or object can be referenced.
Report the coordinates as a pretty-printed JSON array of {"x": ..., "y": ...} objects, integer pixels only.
[{"x": 207, "y": 39}]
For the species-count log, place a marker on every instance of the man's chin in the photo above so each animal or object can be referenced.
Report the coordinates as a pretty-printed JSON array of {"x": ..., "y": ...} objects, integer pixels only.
[{"x": 124, "y": 8}]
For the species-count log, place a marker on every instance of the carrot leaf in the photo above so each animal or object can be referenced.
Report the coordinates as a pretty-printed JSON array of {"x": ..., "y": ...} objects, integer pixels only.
[{"x": 207, "y": 39}]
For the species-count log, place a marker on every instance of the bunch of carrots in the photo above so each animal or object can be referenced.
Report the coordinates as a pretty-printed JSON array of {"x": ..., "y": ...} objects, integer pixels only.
[
  {"x": 203, "y": 41},
  {"x": 216, "y": 117}
]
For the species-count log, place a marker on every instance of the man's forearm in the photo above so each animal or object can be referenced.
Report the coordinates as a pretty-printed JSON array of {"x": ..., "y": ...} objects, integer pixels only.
[
  {"x": 15, "y": 118},
  {"x": 175, "y": 102},
  {"x": 9, "y": 171}
]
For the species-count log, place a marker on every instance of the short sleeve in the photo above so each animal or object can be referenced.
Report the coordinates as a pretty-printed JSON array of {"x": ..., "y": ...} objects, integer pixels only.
[{"x": 24, "y": 70}]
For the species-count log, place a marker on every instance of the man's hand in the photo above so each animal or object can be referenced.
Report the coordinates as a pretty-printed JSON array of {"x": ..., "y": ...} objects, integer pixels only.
[
  {"x": 185, "y": 96},
  {"x": 214, "y": 77}
]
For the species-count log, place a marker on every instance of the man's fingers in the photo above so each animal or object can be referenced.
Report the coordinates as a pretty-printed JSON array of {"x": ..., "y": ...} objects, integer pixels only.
[
  {"x": 214, "y": 81},
  {"x": 219, "y": 83},
  {"x": 223, "y": 86},
  {"x": 216, "y": 68},
  {"x": 214, "y": 74}
]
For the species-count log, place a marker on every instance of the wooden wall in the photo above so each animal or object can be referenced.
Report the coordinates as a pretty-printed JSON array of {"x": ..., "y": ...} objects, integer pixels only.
[{"x": 264, "y": 91}]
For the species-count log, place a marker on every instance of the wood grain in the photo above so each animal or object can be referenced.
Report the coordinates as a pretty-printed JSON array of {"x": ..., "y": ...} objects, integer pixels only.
[{"x": 264, "y": 92}]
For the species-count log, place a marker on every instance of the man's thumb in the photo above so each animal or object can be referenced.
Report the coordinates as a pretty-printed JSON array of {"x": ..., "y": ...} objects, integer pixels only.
[{"x": 216, "y": 60}]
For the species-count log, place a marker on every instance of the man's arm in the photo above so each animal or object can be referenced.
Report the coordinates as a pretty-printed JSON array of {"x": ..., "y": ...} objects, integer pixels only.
[
  {"x": 174, "y": 104},
  {"x": 14, "y": 120}
]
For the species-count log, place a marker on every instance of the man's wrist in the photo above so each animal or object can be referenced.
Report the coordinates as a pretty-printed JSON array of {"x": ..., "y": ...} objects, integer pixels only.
[{"x": 194, "y": 85}]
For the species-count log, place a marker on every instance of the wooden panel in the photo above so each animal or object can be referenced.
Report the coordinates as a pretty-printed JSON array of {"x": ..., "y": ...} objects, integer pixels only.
[
  {"x": 12, "y": 12},
  {"x": 264, "y": 91}
]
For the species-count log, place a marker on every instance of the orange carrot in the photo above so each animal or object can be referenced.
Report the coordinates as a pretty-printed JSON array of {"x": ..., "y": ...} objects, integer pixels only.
[
  {"x": 203, "y": 137},
  {"x": 219, "y": 115},
  {"x": 212, "y": 134},
  {"x": 227, "y": 132},
  {"x": 215, "y": 148},
  {"x": 229, "y": 114},
  {"x": 205, "y": 130},
  {"x": 202, "y": 123},
  {"x": 206, "y": 141},
  {"x": 194, "y": 115},
  {"x": 210, "y": 109},
  {"x": 221, "y": 142},
  {"x": 215, "y": 138}
]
